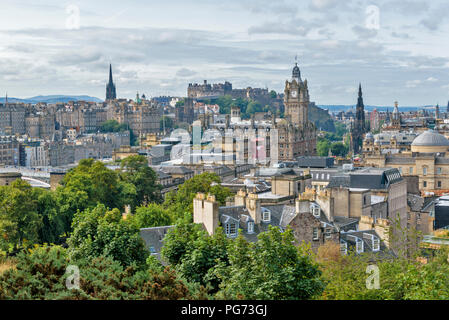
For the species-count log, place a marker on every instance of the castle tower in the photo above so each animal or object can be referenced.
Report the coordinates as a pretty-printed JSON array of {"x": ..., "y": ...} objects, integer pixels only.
[{"x": 110, "y": 88}]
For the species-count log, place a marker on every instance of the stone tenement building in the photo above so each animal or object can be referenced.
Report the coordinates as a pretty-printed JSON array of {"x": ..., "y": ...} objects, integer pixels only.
[
  {"x": 428, "y": 159},
  {"x": 142, "y": 118},
  {"x": 12, "y": 118}
]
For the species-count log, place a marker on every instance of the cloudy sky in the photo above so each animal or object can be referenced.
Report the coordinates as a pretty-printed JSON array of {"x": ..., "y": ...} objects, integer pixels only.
[{"x": 398, "y": 49}]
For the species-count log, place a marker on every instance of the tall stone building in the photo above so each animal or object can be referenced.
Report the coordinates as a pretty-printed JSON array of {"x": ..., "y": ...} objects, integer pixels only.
[
  {"x": 297, "y": 135},
  {"x": 359, "y": 128},
  {"x": 110, "y": 88}
]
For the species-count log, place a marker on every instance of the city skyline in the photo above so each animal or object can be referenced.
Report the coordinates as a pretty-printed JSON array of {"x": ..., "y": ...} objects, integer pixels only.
[{"x": 158, "y": 48}]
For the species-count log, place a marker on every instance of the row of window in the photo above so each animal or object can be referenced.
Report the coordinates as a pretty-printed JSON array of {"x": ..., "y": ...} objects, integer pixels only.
[
  {"x": 439, "y": 170},
  {"x": 439, "y": 184}
]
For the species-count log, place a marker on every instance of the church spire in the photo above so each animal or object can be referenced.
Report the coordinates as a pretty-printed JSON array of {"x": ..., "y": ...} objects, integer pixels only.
[
  {"x": 110, "y": 88},
  {"x": 110, "y": 73}
]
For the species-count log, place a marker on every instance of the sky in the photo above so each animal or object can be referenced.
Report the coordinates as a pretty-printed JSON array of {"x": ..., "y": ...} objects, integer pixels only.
[{"x": 397, "y": 49}]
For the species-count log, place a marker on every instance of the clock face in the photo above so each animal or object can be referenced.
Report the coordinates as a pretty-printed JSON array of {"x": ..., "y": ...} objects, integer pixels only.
[{"x": 294, "y": 94}]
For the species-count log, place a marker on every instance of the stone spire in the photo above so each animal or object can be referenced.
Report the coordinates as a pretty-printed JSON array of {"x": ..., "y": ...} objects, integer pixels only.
[{"x": 110, "y": 88}]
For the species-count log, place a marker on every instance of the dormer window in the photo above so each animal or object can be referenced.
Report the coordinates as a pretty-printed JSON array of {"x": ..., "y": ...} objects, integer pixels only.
[
  {"x": 250, "y": 227},
  {"x": 376, "y": 244},
  {"x": 231, "y": 229},
  {"x": 359, "y": 245},
  {"x": 266, "y": 215},
  {"x": 315, "y": 210}
]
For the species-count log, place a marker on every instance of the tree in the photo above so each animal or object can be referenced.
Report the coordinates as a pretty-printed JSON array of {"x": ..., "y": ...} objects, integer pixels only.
[
  {"x": 90, "y": 183},
  {"x": 179, "y": 241},
  {"x": 253, "y": 107},
  {"x": 41, "y": 274},
  {"x": 19, "y": 219},
  {"x": 135, "y": 171},
  {"x": 182, "y": 201},
  {"x": 99, "y": 232},
  {"x": 273, "y": 94},
  {"x": 153, "y": 215},
  {"x": 272, "y": 268},
  {"x": 339, "y": 149},
  {"x": 113, "y": 126},
  {"x": 323, "y": 147},
  {"x": 54, "y": 223}
]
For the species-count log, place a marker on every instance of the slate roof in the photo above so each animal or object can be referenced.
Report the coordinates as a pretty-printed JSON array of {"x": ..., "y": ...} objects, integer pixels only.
[
  {"x": 383, "y": 253},
  {"x": 153, "y": 238},
  {"x": 368, "y": 178}
]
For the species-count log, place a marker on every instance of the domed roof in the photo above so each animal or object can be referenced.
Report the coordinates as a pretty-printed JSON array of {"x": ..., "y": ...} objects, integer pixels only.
[
  {"x": 430, "y": 138},
  {"x": 296, "y": 74}
]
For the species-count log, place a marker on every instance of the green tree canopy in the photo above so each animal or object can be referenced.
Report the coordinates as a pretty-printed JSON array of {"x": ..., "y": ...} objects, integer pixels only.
[
  {"x": 181, "y": 201},
  {"x": 20, "y": 221},
  {"x": 136, "y": 172},
  {"x": 339, "y": 149},
  {"x": 323, "y": 147},
  {"x": 113, "y": 126},
  {"x": 272, "y": 268},
  {"x": 99, "y": 232},
  {"x": 153, "y": 215}
]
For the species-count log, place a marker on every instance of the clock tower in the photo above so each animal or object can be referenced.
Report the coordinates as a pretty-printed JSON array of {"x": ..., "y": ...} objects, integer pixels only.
[{"x": 296, "y": 99}]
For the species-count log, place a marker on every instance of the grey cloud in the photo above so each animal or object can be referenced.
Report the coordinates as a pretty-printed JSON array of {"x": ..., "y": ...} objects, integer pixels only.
[
  {"x": 323, "y": 4},
  {"x": 364, "y": 33},
  {"x": 184, "y": 72},
  {"x": 279, "y": 28},
  {"x": 436, "y": 17},
  {"x": 406, "y": 7},
  {"x": 400, "y": 35}
]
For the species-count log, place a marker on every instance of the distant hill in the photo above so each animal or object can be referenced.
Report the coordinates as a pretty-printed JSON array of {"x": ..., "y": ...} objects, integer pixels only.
[
  {"x": 52, "y": 99},
  {"x": 338, "y": 108}
]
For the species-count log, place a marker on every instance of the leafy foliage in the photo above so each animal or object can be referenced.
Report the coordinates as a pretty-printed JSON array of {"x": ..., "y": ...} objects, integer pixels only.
[
  {"x": 181, "y": 201},
  {"x": 113, "y": 126},
  {"x": 153, "y": 215},
  {"x": 136, "y": 172},
  {"x": 99, "y": 232},
  {"x": 41, "y": 274},
  {"x": 272, "y": 268}
]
